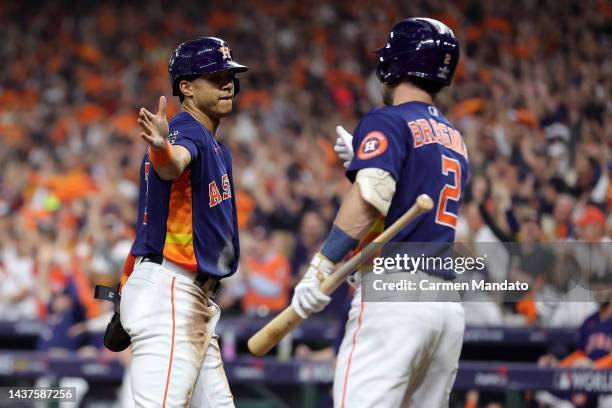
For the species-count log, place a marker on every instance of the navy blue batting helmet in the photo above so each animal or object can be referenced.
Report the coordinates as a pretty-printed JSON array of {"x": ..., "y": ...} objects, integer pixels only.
[
  {"x": 418, "y": 47},
  {"x": 204, "y": 55}
]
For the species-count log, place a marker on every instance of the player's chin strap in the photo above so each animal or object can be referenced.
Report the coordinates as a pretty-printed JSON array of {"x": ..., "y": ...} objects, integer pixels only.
[{"x": 115, "y": 338}]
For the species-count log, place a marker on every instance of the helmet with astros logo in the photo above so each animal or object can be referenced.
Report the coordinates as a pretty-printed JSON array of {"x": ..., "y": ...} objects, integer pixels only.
[
  {"x": 204, "y": 55},
  {"x": 420, "y": 48}
]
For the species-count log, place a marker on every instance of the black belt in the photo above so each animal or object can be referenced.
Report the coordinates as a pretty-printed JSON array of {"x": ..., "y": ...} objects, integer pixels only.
[
  {"x": 200, "y": 279},
  {"x": 158, "y": 259}
]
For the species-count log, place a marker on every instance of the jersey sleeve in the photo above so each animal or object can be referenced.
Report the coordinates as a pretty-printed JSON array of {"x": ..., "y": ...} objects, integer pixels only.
[
  {"x": 378, "y": 142},
  {"x": 181, "y": 135}
]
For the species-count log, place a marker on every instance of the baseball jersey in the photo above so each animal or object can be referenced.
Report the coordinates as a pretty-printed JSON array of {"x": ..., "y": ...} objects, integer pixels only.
[
  {"x": 425, "y": 154},
  {"x": 191, "y": 220},
  {"x": 596, "y": 337}
]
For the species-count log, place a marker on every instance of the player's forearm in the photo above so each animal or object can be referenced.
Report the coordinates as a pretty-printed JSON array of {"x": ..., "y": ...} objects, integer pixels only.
[
  {"x": 168, "y": 172},
  {"x": 353, "y": 221},
  {"x": 168, "y": 161},
  {"x": 355, "y": 216}
]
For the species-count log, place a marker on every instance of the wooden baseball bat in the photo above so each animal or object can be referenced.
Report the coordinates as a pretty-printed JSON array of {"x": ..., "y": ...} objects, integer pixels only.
[{"x": 272, "y": 333}]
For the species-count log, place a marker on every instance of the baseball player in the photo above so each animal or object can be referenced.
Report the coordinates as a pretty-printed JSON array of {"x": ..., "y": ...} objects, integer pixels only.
[
  {"x": 400, "y": 354},
  {"x": 187, "y": 236}
]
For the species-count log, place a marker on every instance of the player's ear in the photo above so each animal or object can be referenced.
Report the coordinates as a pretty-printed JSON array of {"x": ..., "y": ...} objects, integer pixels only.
[{"x": 186, "y": 88}]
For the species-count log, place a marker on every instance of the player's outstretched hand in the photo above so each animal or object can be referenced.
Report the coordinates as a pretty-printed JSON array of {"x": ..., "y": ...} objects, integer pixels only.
[
  {"x": 307, "y": 297},
  {"x": 154, "y": 127},
  {"x": 344, "y": 146}
]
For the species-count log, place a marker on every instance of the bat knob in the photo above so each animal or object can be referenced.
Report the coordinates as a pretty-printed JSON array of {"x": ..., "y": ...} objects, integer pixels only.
[{"x": 424, "y": 202}]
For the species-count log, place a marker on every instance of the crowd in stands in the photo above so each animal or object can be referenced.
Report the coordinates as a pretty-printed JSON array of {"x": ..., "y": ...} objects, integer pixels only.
[{"x": 531, "y": 98}]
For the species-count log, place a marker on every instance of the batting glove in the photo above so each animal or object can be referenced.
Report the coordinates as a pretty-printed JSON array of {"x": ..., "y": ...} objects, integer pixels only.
[
  {"x": 307, "y": 296},
  {"x": 344, "y": 146}
]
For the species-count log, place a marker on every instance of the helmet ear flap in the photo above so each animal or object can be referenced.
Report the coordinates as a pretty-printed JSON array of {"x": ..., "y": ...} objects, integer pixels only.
[{"x": 387, "y": 73}]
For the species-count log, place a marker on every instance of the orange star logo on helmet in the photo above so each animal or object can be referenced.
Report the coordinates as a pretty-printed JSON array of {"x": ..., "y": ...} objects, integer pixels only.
[
  {"x": 374, "y": 144},
  {"x": 226, "y": 52}
]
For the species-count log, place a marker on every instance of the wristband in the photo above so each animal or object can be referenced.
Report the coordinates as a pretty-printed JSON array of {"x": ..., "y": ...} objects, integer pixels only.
[
  {"x": 161, "y": 157},
  {"x": 338, "y": 244}
]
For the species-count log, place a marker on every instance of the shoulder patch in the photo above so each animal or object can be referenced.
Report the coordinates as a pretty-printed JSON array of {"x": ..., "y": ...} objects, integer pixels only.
[{"x": 374, "y": 144}]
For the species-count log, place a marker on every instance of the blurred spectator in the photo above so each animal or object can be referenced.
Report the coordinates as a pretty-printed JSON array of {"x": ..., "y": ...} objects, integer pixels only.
[
  {"x": 592, "y": 225},
  {"x": 63, "y": 312},
  {"x": 266, "y": 273},
  {"x": 17, "y": 294},
  {"x": 485, "y": 242},
  {"x": 585, "y": 260},
  {"x": 533, "y": 263},
  {"x": 562, "y": 227},
  {"x": 308, "y": 241}
]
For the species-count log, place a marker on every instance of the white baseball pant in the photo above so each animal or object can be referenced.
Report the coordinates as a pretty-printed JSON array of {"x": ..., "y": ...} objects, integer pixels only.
[
  {"x": 398, "y": 354},
  {"x": 176, "y": 360}
]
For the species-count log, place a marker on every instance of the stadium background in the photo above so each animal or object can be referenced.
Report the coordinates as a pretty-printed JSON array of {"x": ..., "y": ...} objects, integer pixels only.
[{"x": 531, "y": 97}]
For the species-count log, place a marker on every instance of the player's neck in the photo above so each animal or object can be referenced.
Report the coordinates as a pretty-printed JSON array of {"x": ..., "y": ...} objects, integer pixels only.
[
  {"x": 209, "y": 123},
  {"x": 406, "y": 92}
]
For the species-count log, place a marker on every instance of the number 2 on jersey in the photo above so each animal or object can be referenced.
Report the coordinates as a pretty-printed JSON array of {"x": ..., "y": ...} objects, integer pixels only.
[{"x": 449, "y": 192}]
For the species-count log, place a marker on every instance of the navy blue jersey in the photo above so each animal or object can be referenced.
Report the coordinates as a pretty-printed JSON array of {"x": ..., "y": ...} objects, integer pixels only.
[
  {"x": 595, "y": 337},
  {"x": 191, "y": 220},
  {"x": 425, "y": 154}
]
